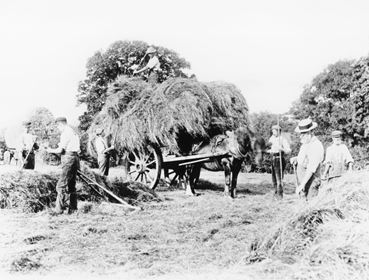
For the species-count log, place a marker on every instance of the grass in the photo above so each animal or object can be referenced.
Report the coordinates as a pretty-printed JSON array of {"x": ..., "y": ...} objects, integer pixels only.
[{"x": 203, "y": 237}]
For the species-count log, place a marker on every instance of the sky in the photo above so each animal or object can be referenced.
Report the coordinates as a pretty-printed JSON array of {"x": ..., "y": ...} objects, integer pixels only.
[{"x": 268, "y": 49}]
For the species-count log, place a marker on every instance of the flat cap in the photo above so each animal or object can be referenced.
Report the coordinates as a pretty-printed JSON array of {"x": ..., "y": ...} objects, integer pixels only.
[
  {"x": 61, "y": 119},
  {"x": 336, "y": 134},
  {"x": 276, "y": 127}
]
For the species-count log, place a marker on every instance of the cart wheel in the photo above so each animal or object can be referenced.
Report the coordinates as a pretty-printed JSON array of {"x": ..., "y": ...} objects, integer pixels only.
[{"x": 144, "y": 165}]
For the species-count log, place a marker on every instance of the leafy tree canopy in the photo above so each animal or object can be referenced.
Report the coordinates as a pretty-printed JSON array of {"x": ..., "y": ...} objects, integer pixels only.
[
  {"x": 43, "y": 125},
  {"x": 328, "y": 100},
  {"x": 338, "y": 98}
]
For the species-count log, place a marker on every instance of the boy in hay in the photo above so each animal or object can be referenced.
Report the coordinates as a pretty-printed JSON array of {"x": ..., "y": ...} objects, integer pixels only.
[
  {"x": 152, "y": 67},
  {"x": 279, "y": 147},
  {"x": 69, "y": 147},
  {"x": 103, "y": 152},
  {"x": 309, "y": 159},
  {"x": 338, "y": 158},
  {"x": 27, "y": 147}
]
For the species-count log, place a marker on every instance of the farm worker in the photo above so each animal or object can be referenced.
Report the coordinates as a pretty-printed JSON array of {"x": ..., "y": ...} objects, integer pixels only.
[
  {"x": 152, "y": 66},
  {"x": 338, "y": 158},
  {"x": 103, "y": 152},
  {"x": 27, "y": 146},
  {"x": 69, "y": 147},
  {"x": 279, "y": 147},
  {"x": 309, "y": 159}
]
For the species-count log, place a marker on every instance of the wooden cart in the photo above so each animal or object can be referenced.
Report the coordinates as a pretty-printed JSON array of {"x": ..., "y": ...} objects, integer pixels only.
[{"x": 146, "y": 165}]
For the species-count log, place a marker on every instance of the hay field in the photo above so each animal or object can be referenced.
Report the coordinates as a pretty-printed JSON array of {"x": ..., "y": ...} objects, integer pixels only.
[{"x": 203, "y": 237}]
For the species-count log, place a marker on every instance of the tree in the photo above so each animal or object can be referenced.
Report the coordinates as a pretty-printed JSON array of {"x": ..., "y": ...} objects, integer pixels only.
[
  {"x": 360, "y": 96},
  {"x": 327, "y": 100},
  {"x": 43, "y": 124},
  {"x": 44, "y": 127},
  {"x": 104, "y": 67},
  {"x": 338, "y": 98}
]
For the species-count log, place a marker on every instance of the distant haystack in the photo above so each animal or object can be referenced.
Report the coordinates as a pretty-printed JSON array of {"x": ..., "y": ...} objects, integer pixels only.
[{"x": 175, "y": 114}]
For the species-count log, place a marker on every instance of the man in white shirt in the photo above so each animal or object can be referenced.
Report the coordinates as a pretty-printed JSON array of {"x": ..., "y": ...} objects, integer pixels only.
[
  {"x": 103, "y": 152},
  {"x": 152, "y": 66},
  {"x": 27, "y": 146},
  {"x": 69, "y": 147},
  {"x": 338, "y": 158},
  {"x": 309, "y": 159},
  {"x": 279, "y": 147}
]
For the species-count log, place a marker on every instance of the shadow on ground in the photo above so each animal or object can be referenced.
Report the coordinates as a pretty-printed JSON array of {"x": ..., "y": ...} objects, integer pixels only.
[{"x": 249, "y": 189}]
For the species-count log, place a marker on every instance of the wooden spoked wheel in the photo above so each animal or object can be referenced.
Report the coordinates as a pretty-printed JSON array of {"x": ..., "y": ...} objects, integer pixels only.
[{"x": 144, "y": 165}]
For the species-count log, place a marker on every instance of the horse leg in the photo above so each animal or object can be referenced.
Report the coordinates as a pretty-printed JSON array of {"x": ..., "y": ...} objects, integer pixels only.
[
  {"x": 195, "y": 174},
  {"x": 236, "y": 167},
  {"x": 227, "y": 173},
  {"x": 166, "y": 177},
  {"x": 190, "y": 190}
]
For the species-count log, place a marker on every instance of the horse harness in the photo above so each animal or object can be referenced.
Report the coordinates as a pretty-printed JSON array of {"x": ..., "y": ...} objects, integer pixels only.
[{"x": 234, "y": 149}]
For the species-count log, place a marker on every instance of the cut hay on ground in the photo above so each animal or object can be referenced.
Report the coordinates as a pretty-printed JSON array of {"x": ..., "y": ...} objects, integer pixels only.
[
  {"x": 327, "y": 238},
  {"x": 32, "y": 191},
  {"x": 175, "y": 114},
  {"x": 27, "y": 190}
]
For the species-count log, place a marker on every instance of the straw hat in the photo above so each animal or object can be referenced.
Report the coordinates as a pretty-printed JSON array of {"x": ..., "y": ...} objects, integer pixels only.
[
  {"x": 306, "y": 125},
  {"x": 150, "y": 50}
]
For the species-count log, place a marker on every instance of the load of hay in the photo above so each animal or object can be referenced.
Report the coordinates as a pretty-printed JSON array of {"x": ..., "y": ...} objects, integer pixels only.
[
  {"x": 32, "y": 191},
  {"x": 174, "y": 114},
  {"x": 326, "y": 238}
]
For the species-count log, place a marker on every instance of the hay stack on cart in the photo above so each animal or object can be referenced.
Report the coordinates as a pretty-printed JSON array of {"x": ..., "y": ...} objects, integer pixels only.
[
  {"x": 142, "y": 119},
  {"x": 176, "y": 114}
]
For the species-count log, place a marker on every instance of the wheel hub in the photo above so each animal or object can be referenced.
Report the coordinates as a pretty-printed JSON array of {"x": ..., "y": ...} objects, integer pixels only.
[{"x": 140, "y": 167}]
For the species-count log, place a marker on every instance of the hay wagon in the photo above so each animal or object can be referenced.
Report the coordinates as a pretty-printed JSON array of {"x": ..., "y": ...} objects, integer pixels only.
[
  {"x": 146, "y": 165},
  {"x": 177, "y": 114}
]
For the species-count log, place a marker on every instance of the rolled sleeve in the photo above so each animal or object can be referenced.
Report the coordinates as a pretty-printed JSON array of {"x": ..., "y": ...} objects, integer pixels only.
[
  {"x": 99, "y": 145},
  {"x": 286, "y": 146},
  {"x": 63, "y": 140},
  {"x": 348, "y": 157}
]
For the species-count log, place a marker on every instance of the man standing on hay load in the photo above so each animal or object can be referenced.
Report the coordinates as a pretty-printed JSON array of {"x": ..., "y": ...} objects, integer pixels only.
[
  {"x": 103, "y": 152},
  {"x": 27, "y": 147},
  {"x": 279, "y": 147},
  {"x": 152, "y": 67},
  {"x": 337, "y": 159},
  {"x": 69, "y": 147},
  {"x": 309, "y": 159}
]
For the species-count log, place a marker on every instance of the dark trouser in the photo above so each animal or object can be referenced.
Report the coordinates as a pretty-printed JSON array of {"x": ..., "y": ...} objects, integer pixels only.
[
  {"x": 104, "y": 162},
  {"x": 153, "y": 77},
  {"x": 277, "y": 174},
  {"x": 66, "y": 186},
  {"x": 28, "y": 162}
]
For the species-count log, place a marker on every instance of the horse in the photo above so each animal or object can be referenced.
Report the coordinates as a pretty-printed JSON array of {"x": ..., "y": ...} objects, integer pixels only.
[{"x": 238, "y": 145}]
